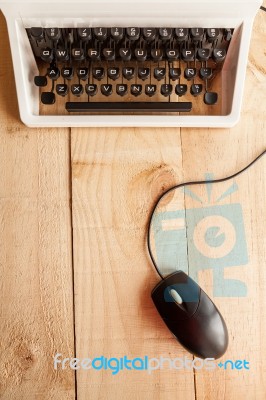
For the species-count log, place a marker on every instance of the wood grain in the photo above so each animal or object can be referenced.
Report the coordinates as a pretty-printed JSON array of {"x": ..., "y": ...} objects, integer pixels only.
[{"x": 35, "y": 251}]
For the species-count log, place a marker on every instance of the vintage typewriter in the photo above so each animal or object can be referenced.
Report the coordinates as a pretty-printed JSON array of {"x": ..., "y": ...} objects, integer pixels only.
[{"x": 130, "y": 63}]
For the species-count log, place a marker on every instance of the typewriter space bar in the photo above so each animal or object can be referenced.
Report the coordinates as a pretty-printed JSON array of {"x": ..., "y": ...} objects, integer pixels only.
[{"x": 130, "y": 107}]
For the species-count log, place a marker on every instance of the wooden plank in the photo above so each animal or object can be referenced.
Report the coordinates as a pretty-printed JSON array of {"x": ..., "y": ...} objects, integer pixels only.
[
  {"x": 35, "y": 251},
  {"x": 223, "y": 152},
  {"x": 117, "y": 175}
]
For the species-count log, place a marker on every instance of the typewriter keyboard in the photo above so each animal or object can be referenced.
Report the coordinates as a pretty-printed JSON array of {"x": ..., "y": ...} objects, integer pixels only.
[{"x": 129, "y": 70}]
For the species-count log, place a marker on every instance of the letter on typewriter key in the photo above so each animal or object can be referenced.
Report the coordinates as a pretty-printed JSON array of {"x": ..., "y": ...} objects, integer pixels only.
[
  {"x": 219, "y": 55},
  {"x": 78, "y": 54},
  {"x": 100, "y": 33},
  {"x": 107, "y": 90},
  {"x": 84, "y": 34},
  {"x": 181, "y": 34},
  {"x": 172, "y": 54},
  {"x": 113, "y": 73},
  {"x": 133, "y": 33},
  {"x": 53, "y": 33},
  {"x": 203, "y": 54},
  {"x": 98, "y": 73},
  {"x": 77, "y": 89},
  {"x": 157, "y": 54},
  {"x": 82, "y": 73},
  {"x": 47, "y": 55},
  {"x": 181, "y": 90},
  {"x": 117, "y": 33},
  {"x": 196, "y": 34},
  {"x": 48, "y": 98},
  {"x": 141, "y": 54},
  {"x": 94, "y": 54},
  {"x": 166, "y": 90},
  {"x": 174, "y": 73},
  {"x": 67, "y": 73},
  {"x": 125, "y": 54},
  {"x": 143, "y": 73},
  {"x": 40, "y": 81},
  {"x": 190, "y": 73},
  {"x": 212, "y": 34},
  {"x": 196, "y": 89},
  {"x": 128, "y": 73},
  {"x": 150, "y": 90},
  {"x": 210, "y": 98},
  {"x": 53, "y": 73},
  {"x": 205, "y": 73},
  {"x": 62, "y": 90},
  {"x": 188, "y": 55},
  {"x": 109, "y": 54},
  {"x": 159, "y": 73},
  {"x": 36, "y": 33},
  {"x": 165, "y": 33},
  {"x": 136, "y": 90},
  {"x": 91, "y": 90},
  {"x": 121, "y": 90},
  {"x": 149, "y": 34},
  {"x": 62, "y": 55}
]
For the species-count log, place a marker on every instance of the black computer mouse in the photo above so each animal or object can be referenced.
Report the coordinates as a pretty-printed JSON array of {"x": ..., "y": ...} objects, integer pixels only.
[{"x": 191, "y": 316}]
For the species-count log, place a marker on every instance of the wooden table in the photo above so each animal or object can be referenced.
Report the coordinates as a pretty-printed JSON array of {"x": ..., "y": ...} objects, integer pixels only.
[{"x": 75, "y": 273}]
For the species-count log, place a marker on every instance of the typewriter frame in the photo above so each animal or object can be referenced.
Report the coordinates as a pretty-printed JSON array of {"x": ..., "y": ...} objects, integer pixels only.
[{"x": 237, "y": 14}]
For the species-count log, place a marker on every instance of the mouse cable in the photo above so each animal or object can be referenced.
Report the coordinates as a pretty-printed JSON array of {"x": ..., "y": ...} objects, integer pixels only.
[{"x": 205, "y": 182}]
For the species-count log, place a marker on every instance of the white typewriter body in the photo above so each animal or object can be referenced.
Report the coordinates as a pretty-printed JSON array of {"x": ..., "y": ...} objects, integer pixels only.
[{"x": 237, "y": 14}]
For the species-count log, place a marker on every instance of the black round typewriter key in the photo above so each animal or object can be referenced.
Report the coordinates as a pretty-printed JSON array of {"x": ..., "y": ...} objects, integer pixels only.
[
  {"x": 117, "y": 33},
  {"x": 210, "y": 98},
  {"x": 150, "y": 90},
  {"x": 212, "y": 34},
  {"x": 196, "y": 34},
  {"x": 67, "y": 73},
  {"x": 172, "y": 54},
  {"x": 100, "y": 33},
  {"x": 166, "y": 90},
  {"x": 190, "y": 73},
  {"x": 157, "y": 54},
  {"x": 133, "y": 33},
  {"x": 78, "y": 54},
  {"x": 141, "y": 54},
  {"x": 98, "y": 73},
  {"x": 227, "y": 34},
  {"x": 125, "y": 54},
  {"x": 84, "y": 34},
  {"x": 188, "y": 55},
  {"x": 53, "y": 33},
  {"x": 121, "y": 90},
  {"x": 106, "y": 89},
  {"x": 174, "y": 73},
  {"x": 83, "y": 73},
  {"x": 128, "y": 73},
  {"x": 36, "y": 33},
  {"x": 205, "y": 73},
  {"x": 165, "y": 33},
  {"x": 181, "y": 89},
  {"x": 149, "y": 34},
  {"x": 62, "y": 55},
  {"x": 113, "y": 73},
  {"x": 40, "y": 81},
  {"x": 91, "y": 90},
  {"x": 203, "y": 54},
  {"x": 48, "y": 98},
  {"x": 53, "y": 73},
  {"x": 47, "y": 55},
  {"x": 109, "y": 54},
  {"x": 61, "y": 89},
  {"x": 196, "y": 89},
  {"x": 181, "y": 34},
  {"x": 143, "y": 73},
  {"x": 136, "y": 90},
  {"x": 219, "y": 55},
  {"x": 159, "y": 73},
  {"x": 94, "y": 54},
  {"x": 77, "y": 89}
]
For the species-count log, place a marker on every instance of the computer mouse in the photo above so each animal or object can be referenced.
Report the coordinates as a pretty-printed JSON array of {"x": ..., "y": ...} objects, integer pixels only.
[{"x": 191, "y": 316}]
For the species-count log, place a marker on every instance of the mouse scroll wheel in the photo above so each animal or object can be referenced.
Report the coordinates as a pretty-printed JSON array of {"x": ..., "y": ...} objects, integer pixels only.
[{"x": 175, "y": 296}]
